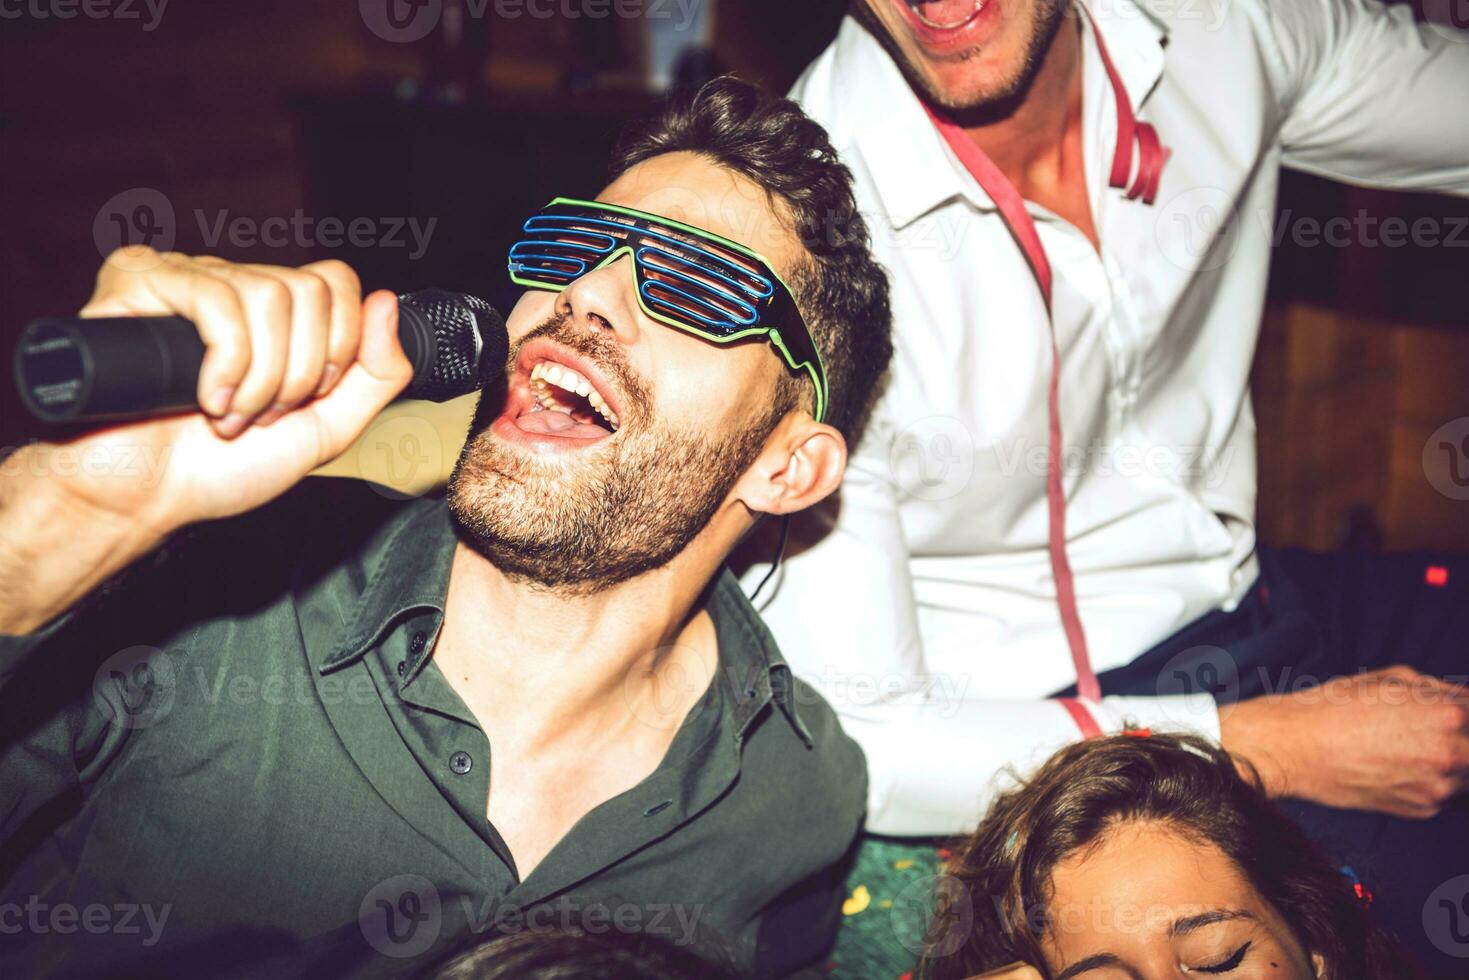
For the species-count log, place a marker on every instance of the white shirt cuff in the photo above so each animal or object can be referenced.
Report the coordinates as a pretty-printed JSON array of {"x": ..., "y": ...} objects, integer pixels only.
[{"x": 1193, "y": 713}]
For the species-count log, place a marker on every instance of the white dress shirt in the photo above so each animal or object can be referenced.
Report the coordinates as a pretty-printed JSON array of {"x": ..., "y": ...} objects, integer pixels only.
[{"x": 926, "y": 612}]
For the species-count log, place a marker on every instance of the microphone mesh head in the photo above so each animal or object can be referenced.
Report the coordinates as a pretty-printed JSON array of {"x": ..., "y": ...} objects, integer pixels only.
[{"x": 464, "y": 327}]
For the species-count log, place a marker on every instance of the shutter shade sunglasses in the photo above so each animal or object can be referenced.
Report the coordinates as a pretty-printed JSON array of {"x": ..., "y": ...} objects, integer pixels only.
[{"x": 686, "y": 277}]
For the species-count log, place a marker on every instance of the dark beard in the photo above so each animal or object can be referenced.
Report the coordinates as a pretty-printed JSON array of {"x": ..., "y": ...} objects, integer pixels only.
[
  {"x": 620, "y": 511},
  {"x": 1007, "y": 93}
]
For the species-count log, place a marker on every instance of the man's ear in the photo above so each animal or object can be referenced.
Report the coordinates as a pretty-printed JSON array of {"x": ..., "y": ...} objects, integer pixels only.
[{"x": 801, "y": 464}]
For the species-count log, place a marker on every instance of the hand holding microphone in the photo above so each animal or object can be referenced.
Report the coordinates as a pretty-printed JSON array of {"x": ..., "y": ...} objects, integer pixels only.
[
  {"x": 284, "y": 369},
  {"x": 266, "y": 373},
  {"x": 75, "y": 370}
]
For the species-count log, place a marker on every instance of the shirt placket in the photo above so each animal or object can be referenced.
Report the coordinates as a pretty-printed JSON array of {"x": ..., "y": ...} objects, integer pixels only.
[{"x": 439, "y": 729}]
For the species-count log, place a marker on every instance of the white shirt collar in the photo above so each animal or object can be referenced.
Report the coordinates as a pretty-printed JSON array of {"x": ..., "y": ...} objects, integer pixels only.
[{"x": 913, "y": 169}]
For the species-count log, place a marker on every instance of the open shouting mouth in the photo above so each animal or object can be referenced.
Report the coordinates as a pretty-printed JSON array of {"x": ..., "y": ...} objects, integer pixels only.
[
  {"x": 941, "y": 24},
  {"x": 558, "y": 400}
]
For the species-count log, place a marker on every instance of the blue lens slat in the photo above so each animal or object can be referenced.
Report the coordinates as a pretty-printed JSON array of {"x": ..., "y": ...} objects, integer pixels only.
[
  {"x": 743, "y": 297},
  {"x": 539, "y": 261},
  {"x": 762, "y": 287},
  {"x": 724, "y": 322},
  {"x": 547, "y": 244},
  {"x": 551, "y": 223},
  {"x": 674, "y": 247}
]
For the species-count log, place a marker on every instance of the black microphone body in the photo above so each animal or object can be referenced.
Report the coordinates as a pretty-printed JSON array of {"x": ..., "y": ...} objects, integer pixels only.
[{"x": 109, "y": 369}]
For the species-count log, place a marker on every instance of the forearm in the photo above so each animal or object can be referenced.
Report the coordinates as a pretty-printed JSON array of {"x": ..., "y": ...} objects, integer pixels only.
[
  {"x": 1248, "y": 731},
  {"x": 54, "y": 549},
  {"x": 935, "y": 764}
]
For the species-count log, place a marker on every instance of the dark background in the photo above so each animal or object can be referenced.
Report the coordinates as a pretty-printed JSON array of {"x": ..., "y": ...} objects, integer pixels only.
[{"x": 270, "y": 108}]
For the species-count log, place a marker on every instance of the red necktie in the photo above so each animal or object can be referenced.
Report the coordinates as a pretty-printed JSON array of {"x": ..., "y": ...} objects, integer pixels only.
[{"x": 1152, "y": 155}]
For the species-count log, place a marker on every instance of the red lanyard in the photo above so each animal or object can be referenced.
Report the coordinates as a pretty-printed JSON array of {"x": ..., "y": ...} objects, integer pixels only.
[{"x": 1151, "y": 157}]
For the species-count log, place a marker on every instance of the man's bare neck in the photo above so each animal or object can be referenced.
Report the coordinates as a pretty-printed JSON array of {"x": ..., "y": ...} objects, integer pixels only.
[
  {"x": 1030, "y": 139},
  {"x": 548, "y": 664},
  {"x": 1039, "y": 146}
]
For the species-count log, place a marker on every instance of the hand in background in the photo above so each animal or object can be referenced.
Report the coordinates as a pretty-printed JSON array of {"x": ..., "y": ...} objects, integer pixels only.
[{"x": 1393, "y": 740}]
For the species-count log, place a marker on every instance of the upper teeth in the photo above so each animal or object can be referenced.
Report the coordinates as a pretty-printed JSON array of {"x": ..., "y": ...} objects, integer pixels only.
[
  {"x": 918, "y": 5},
  {"x": 567, "y": 379}
]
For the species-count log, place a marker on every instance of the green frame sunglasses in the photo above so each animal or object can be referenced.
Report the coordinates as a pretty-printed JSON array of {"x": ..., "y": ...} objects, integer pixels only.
[{"x": 686, "y": 277}]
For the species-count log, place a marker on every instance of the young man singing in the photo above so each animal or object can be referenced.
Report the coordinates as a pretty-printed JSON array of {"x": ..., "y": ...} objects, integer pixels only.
[{"x": 316, "y": 741}]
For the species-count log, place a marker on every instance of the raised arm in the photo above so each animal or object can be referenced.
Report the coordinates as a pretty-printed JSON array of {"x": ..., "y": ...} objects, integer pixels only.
[
  {"x": 1370, "y": 96},
  {"x": 297, "y": 365}
]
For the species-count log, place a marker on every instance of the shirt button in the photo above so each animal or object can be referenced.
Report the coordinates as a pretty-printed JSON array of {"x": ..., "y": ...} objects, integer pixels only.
[
  {"x": 402, "y": 668},
  {"x": 416, "y": 645},
  {"x": 461, "y": 763}
]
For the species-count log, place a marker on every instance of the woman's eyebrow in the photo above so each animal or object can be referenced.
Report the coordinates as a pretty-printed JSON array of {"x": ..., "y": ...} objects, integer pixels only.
[
  {"x": 1090, "y": 963},
  {"x": 1182, "y": 927}
]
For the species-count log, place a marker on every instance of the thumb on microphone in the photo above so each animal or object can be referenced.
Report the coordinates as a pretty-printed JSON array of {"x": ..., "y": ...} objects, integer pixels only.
[{"x": 379, "y": 374}]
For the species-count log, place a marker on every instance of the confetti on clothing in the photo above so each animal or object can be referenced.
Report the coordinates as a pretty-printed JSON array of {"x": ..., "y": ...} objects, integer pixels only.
[{"x": 889, "y": 899}]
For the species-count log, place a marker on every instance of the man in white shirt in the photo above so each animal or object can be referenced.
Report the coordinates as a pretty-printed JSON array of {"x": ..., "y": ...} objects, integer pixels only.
[{"x": 925, "y": 606}]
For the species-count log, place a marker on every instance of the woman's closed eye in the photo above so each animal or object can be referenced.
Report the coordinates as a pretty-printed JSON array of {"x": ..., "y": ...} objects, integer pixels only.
[{"x": 1226, "y": 965}]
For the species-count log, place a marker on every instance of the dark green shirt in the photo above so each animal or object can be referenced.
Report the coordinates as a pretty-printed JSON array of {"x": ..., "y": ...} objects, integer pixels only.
[{"x": 241, "y": 759}]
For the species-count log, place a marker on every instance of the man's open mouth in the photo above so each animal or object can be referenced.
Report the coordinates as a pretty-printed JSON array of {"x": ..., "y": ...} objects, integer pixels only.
[
  {"x": 567, "y": 404},
  {"x": 944, "y": 15},
  {"x": 560, "y": 399}
]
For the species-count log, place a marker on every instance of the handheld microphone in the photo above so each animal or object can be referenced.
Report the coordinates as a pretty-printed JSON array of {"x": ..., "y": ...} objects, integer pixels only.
[{"x": 71, "y": 370}]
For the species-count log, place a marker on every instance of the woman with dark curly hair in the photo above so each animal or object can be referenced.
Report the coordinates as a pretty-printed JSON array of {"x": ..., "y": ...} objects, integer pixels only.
[{"x": 1146, "y": 857}]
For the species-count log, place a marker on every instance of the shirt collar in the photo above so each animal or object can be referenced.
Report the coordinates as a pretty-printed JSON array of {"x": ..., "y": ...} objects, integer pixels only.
[
  {"x": 912, "y": 167},
  {"x": 404, "y": 567},
  {"x": 750, "y": 664}
]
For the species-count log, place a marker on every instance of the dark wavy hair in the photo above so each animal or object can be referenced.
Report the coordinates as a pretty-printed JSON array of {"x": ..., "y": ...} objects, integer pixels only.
[
  {"x": 841, "y": 290},
  {"x": 573, "y": 952},
  {"x": 1194, "y": 787}
]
